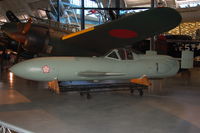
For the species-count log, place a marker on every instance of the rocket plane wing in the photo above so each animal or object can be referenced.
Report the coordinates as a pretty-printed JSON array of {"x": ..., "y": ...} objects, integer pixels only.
[{"x": 124, "y": 31}]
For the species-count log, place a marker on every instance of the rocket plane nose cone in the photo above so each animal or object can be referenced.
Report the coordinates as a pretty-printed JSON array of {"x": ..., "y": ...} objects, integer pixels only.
[
  {"x": 21, "y": 69},
  {"x": 11, "y": 69},
  {"x": 34, "y": 69},
  {"x": 17, "y": 70}
]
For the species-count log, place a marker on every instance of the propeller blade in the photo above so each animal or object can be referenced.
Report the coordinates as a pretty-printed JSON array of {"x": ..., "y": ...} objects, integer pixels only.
[
  {"x": 17, "y": 37},
  {"x": 27, "y": 26}
]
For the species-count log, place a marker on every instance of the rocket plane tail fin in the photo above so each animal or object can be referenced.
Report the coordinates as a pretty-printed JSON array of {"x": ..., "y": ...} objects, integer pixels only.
[{"x": 143, "y": 80}]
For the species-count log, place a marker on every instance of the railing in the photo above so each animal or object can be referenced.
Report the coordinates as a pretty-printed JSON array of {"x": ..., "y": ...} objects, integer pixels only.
[
  {"x": 69, "y": 14},
  {"x": 8, "y": 128},
  {"x": 59, "y": 26}
]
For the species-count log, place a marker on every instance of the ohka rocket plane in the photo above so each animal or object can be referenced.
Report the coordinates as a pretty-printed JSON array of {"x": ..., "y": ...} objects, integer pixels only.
[{"x": 118, "y": 64}]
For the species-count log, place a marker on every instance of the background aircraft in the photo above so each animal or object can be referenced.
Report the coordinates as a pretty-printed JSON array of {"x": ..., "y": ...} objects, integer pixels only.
[
  {"x": 97, "y": 40},
  {"x": 31, "y": 37}
]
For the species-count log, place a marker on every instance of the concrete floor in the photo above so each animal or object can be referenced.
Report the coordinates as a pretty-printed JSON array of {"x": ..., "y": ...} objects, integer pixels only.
[{"x": 171, "y": 105}]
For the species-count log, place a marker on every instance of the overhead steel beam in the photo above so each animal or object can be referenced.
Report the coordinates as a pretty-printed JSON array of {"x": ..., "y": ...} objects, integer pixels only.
[
  {"x": 132, "y": 8},
  {"x": 82, "y": 14},
  {"x": 58, "y": 10}
]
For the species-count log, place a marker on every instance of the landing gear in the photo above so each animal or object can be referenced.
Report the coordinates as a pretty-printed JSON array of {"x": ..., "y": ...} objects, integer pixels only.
[
  {"x": 89, "y": 96},
  {"x": 131, "y": 90},
  {"x": 87, "y": 93},
  {"x": 141, "y": 93},
  {"x": 81, "y": 93}
]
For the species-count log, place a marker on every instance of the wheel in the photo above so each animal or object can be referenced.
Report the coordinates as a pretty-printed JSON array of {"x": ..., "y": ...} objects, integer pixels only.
[
  {"x": 132, "y": 91},
  {"x": 88, "y": 96},
  {"x": 141, "y": 93},
  {"x": 81, "y": 93}
]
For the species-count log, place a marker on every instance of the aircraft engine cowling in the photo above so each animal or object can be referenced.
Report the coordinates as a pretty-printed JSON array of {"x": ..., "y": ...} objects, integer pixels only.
[{"x": 36, "y": 40}]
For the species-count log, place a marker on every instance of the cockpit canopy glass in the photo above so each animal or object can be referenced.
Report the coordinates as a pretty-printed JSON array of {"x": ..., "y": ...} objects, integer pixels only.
[{"x": 120, "y": 54}]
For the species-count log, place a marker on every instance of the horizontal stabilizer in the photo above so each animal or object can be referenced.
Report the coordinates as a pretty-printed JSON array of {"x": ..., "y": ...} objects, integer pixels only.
[
  {"x": 142, "y": 81},
  {"x": 95, "y": 74}
]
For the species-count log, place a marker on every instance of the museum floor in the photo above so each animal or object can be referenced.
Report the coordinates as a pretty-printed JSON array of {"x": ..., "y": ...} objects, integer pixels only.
[{"x": 171, "y": 105}]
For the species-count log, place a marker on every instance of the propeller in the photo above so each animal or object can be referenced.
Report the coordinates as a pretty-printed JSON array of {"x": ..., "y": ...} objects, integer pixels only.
[
  {"x": 20, "y": 36},
  {"x": 32, "y": 39}
]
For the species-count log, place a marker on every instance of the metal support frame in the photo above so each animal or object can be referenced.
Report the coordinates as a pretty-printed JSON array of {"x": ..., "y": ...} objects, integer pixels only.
[
  {"x": 87, "y": 89},
  {"x": 60, "y": 7},
  {"x": 51, "y": 3}
]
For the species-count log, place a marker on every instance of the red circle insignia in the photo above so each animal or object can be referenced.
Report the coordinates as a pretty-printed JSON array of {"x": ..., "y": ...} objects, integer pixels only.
[{"x": 123, "y": 33}]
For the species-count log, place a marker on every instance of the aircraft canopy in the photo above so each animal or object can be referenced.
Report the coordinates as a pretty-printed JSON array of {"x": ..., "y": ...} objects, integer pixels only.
[{"x": 121, "y": 54}]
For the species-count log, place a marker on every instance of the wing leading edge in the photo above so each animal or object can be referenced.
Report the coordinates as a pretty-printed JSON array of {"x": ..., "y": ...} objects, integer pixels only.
[{"x": 124, "y": 31}]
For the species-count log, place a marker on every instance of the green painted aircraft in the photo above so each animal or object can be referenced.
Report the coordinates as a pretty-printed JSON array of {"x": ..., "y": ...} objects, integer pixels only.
[
  {"x": 100, "y": 39},
  {"x": 94, "y": 41}
]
